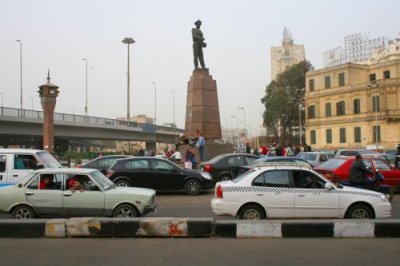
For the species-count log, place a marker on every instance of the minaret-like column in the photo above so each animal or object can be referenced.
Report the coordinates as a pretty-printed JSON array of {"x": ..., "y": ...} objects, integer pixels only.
[{"x": 48, "y": 94}]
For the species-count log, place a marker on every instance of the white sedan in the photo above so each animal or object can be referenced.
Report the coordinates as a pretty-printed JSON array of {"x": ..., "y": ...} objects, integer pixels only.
[
  {"x": 292, "y": 191},
  {"x": 73, "y": 192}
]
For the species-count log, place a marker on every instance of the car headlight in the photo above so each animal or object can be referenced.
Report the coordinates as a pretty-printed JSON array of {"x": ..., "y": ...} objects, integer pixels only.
[
  {"x": 384, "y": 197},
  {"x": 206, "y": 175}
]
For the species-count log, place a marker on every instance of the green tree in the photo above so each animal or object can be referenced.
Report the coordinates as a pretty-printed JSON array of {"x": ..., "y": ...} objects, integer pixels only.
[{"x": 282, "y": 99}]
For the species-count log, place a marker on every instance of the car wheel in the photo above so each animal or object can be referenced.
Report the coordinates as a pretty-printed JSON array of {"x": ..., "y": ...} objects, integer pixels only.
[
  {"x": 226, "y": 177},
  {"x": 23, "y": 212},
  {"x": 122, "y": 183},
  {"x": 359, "y": 211},
  {"x": 251, "y": 212},
  {"x": 125, "y": 211},
  {"x": 192, "y": 187}
]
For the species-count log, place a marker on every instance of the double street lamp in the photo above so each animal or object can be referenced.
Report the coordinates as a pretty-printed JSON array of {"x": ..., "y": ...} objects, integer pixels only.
[
  {"x": 128, "y": 41},
  {"x": 244, "y": 119}
]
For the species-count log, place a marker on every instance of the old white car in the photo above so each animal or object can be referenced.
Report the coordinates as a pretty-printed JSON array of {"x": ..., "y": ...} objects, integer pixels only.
[
  {"x": 292, "y": 191},
  {"x": 73, "y": 192}
]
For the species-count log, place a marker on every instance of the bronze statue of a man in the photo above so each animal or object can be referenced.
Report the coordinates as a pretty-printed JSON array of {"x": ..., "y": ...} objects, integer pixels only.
[{"x": 198, "y": 44}]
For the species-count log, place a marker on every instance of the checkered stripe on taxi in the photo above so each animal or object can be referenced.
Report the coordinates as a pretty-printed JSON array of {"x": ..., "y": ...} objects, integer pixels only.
[{"x": 257, "y": 189}]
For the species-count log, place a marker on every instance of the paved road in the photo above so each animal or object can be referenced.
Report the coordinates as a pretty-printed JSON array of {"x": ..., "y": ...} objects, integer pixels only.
[
  {"x": 199, "y": 251},
  {"x": 179, "y": 205}
]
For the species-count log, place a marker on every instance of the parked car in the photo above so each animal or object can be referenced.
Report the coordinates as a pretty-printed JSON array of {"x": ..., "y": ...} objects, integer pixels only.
[
  {"x": 17, "y": 163},
  {"x": 159, "y": 174},
  {"x": 346, "y": 152},
  {"x": 313, "y": 157},
  {"x": 227, "y": 166},
  {"x": 294, "y": 192},
  {"x": 103, "y": 163},
  {"x": 338, "y": 169},
  {"x": 97, "y": 196},
  {"x": 385, "y": 157},
  {"x": 271, "y": 160}
]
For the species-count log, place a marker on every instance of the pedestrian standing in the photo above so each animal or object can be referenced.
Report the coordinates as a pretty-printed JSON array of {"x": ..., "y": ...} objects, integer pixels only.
[{"x": 201, "y": 142}]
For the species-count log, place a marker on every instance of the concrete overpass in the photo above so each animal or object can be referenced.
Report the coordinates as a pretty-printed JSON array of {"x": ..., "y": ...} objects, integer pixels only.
[{"x": 21, "y": 124}]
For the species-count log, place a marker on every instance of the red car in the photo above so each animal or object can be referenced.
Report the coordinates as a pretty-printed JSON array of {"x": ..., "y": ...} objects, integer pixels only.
[{"x": 338, "y": 169}]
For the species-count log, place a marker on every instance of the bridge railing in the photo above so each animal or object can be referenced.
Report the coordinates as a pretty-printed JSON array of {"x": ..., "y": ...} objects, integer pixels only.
[{"x": 64, "y": 117}]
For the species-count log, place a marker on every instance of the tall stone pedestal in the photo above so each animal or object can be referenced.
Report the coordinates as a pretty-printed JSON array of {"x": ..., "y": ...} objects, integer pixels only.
[
  {"x": 202, "y": 110},
  {"x": 202, "y": 113}
]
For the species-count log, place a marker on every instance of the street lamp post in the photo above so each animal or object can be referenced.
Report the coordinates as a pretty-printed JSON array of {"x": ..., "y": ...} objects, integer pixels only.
[
  {"x": 20, "y": 66},
  {"x": 155, "y": 103},
  {"x": 86, "y": 101},
  {"x": 244, "y": 119},
  {"x": 375, "y": 86},
  {"x": 173, "y": 106},
  {"x": 128, "y": 41}
]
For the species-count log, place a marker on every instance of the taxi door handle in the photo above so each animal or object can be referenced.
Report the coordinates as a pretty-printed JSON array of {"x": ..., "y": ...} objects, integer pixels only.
[
  {"x": 260, "y": 194},
  {"x": 301, "y": 195},
  {"x": 67, "y": 193},
  {"x": 29, "y": 193}
]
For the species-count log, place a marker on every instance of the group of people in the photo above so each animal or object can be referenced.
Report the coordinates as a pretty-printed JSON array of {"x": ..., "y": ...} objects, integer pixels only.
[
  {"x": 47, "y": 182},
  {"x": 275, "y": 149},
  {"x": 194, "y": 141}
]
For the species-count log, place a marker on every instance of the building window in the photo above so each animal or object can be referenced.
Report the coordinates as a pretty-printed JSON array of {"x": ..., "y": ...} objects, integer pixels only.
[
  {"x": 357, "y": 134},
  {"x": 311, "y": 84},
  {"x": 329, "y": 136},
  {"x": 375, "y": 104},
  {"x": 357, "y": 106},
  {"x": 327, "y": 82},
  {"x": 328, "y": 109},
  {"x": 342, "y": 133},
  {"x": 313, "y": 137},
  {"x": 311, "y": 112},
  {"x": 386, "y": 74},
  {"x": 377, "y": 134},
  {"x": 340, "y": 108},
  {"x": 372, "y": 77},
  {"x": 341, "y": 79}
]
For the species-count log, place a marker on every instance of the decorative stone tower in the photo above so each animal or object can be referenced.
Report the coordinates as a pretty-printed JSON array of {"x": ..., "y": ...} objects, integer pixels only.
[
  {"x": 48, "y": 93},
  {"x": 202, "y": 110}
]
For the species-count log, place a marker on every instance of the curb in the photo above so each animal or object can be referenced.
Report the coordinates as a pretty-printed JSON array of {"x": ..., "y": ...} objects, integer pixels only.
[{"x": 198, "y": 227}]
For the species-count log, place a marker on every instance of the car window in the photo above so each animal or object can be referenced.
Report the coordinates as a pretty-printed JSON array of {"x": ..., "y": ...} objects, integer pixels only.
[
  {"x": 310, "y": 157},
  {"x": 277, "y": 178},
  {"x": 236, "y": 161},
  {"x": 106, "y": 162},
  {"x": 3, "y": 163},
  {"x": 323, "y": 158},
  {"x": 50, "y": 181},
  {"x": 305, "y": 179},
  {"x": 49, "y": 160},
  {"x": 381, "y": 165},
  {"x": 137, "y": 164},
  {"x": 332, "y": 163},
  {"x": 250, "y": 160},
  {"x": 25, "y": 161},
  {"x": 84, "y": 181},
  {"x": 34, "y": 184},
  {"x": 161, "y": 165}
]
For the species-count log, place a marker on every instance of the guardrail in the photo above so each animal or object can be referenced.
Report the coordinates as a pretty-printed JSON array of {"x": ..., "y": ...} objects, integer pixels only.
[{"x": 72, "y": 118}]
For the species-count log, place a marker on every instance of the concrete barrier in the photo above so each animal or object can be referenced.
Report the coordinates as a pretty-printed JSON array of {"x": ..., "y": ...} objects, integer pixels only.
[{"x": 198, "y": 227}]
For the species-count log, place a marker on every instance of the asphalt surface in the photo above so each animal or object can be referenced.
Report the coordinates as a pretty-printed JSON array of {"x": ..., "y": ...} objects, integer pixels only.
[{"x": 199, "y": 251}]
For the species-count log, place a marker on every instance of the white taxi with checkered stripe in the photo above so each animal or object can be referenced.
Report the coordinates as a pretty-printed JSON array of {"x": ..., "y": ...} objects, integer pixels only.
[{"x": 292, "y": 191}]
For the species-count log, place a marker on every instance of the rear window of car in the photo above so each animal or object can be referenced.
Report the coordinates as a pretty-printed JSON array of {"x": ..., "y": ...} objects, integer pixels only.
[
  {"x": 332, "y": 163},
  {"x": 349, "y": 153}
]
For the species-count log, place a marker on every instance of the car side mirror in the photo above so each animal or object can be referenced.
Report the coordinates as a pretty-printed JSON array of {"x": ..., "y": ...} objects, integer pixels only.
[{"x": 328, "y": 186}]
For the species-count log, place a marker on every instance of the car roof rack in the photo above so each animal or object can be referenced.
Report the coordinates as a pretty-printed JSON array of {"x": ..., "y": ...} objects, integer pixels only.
[{"x": 279, "y": 163}]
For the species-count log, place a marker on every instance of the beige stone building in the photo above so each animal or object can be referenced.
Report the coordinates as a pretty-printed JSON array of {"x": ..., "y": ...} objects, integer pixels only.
[
  {"x": 355, "y": 105},
  {"x": 285, "y": 56}
]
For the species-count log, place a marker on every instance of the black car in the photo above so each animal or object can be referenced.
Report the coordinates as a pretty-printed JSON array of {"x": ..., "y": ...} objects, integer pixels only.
[
  {"x": 227, "y": 166},
  {"x": 102, "y": 163},
  {"x": 159, "y": 174},
  {"x": 290, "y": 159}
]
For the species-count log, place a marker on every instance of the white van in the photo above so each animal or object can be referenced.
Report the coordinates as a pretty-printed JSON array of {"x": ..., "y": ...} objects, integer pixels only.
[{"x": 17, "y": 163}]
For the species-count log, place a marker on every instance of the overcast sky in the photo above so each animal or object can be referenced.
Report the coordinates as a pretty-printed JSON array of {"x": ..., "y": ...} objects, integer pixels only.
[{"x": 57, "y": 34}]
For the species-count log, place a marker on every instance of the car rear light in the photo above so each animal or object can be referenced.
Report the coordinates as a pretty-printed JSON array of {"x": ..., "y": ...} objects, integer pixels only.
[
  {"x": 218, "y": 192},
  {"x": 207, "y": 168},
  {"x": 110, "y": 173}
]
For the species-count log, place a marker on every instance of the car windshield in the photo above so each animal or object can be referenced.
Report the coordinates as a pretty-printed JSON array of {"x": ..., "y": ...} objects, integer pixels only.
[
  {"x": 216, "y": 158},
  {"x": 102, "y": 180},
  {"x": 308, "y": 156},
  {"x": 240, "y": 177},
  {"x": 332, "y": 163},
  {"x": 48, "y": 160},
  {"x": 349, "y": 153}
]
